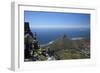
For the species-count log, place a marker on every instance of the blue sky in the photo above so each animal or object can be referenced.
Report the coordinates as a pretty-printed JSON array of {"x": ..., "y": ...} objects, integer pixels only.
[{"x": 48, "y": 20}]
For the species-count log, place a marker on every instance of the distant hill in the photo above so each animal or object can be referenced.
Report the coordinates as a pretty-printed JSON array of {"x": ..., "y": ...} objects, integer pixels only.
[
  {"x": 66, "y": 48},
  {"x": 61, "y": 43}
]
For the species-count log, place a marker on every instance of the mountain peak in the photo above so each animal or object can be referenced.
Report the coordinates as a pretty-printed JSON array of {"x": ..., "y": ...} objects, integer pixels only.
[{"x": 64, "y": 36}]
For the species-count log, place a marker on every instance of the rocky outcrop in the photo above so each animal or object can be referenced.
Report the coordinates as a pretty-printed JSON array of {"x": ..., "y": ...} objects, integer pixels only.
[
  {"x": 32, "y": 50},
  {"x": 28, "y": 38}
]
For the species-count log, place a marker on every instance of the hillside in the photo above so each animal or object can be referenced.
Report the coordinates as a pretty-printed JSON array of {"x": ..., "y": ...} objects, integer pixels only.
[{"x": 65, "y": 48}]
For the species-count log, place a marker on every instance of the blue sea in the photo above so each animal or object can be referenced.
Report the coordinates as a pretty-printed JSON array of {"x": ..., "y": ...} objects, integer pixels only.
[{"x": 46, "y": 35}]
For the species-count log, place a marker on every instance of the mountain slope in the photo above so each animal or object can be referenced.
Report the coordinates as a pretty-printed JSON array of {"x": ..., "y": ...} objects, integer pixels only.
[{"x": 65, "y": 48}]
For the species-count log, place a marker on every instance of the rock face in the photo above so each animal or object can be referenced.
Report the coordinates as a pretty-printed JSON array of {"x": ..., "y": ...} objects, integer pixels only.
[
  {"x": 32, "y": 50},
  {"x": 27, "y": 29},
  {"x": 28, "y": 38},
  {"x": 30, "y": 41}
]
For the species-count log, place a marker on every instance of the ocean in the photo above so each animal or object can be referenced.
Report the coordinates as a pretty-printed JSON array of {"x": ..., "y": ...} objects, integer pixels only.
[{"x": 46, "y": 35}]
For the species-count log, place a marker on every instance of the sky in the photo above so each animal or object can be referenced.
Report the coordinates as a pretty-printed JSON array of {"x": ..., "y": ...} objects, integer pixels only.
[{"x": 40, "y": 19}]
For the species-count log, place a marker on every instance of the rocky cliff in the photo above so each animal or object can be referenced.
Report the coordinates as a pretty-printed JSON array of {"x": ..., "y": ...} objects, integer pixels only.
[{"x": 32, "y": 50}]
